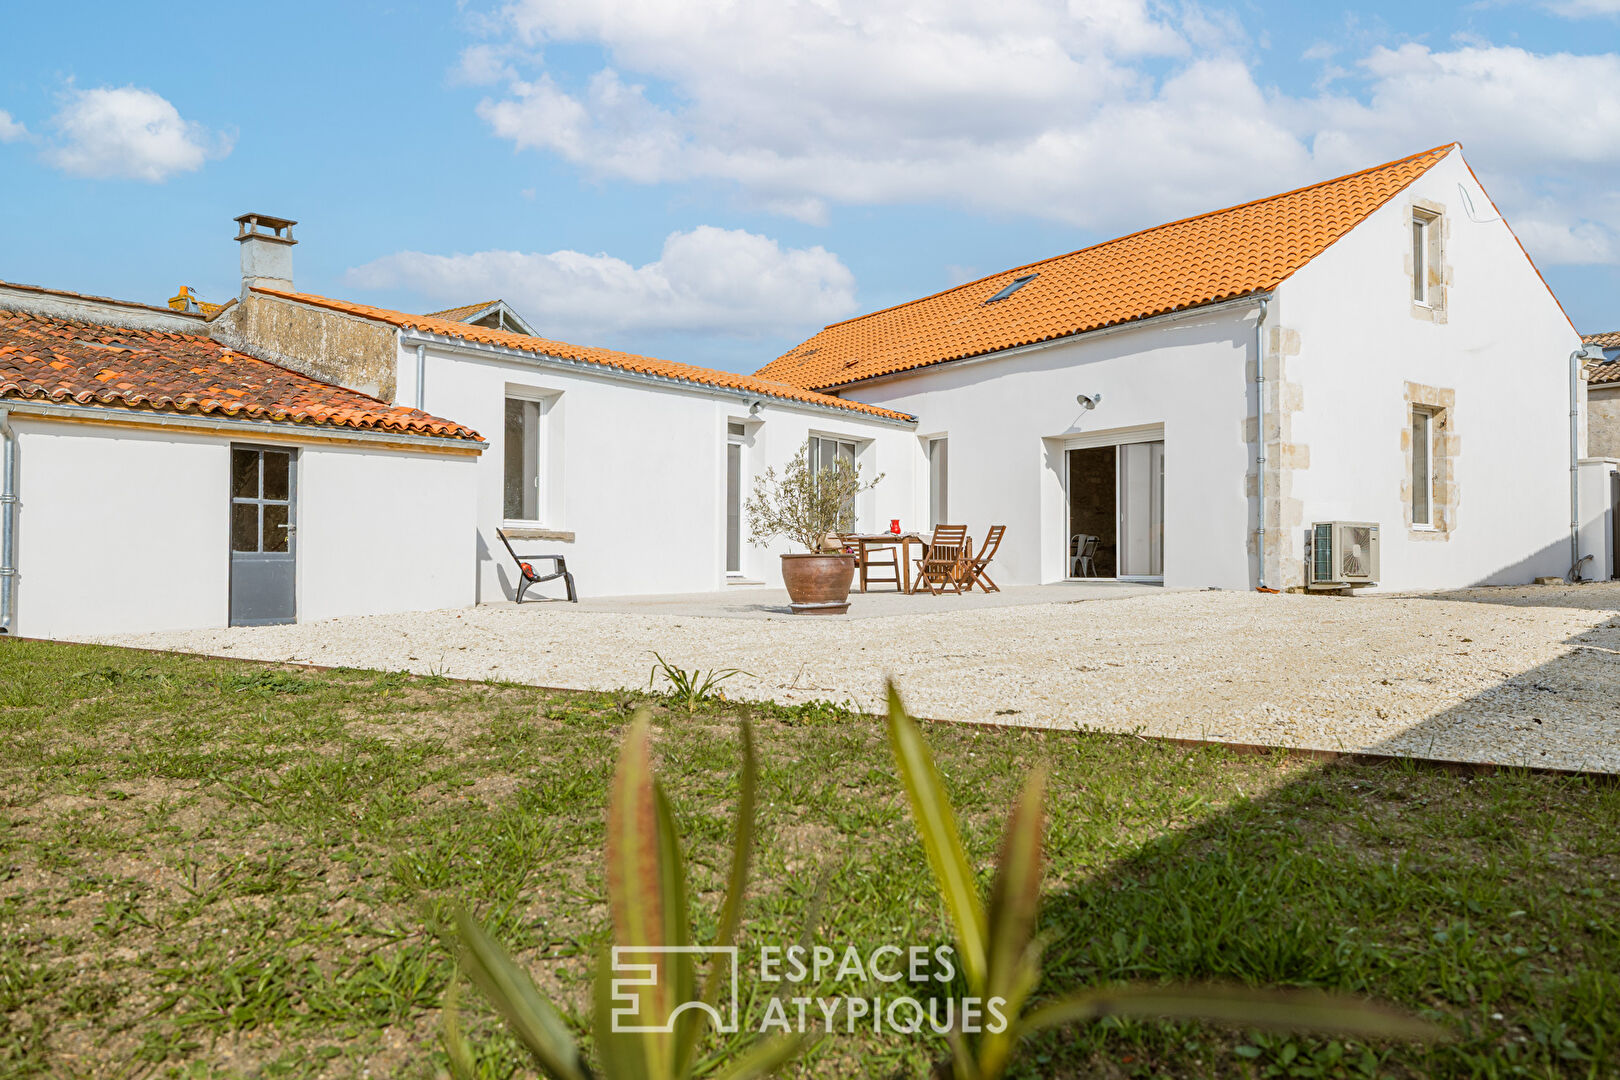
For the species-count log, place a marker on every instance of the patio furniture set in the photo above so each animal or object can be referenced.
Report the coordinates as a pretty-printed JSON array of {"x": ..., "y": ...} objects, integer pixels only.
[{"x": 947, "y": 559}]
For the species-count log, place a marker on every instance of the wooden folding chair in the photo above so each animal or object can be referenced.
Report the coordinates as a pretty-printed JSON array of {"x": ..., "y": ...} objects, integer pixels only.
[
  {"x": 980, "y": 560},
  {"x": 872, "y": 560},
  {"x": 944, "y": 563}
]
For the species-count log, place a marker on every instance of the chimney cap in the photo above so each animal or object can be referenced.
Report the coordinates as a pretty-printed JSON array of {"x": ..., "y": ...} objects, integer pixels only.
[{"x": 265, "y": 227}]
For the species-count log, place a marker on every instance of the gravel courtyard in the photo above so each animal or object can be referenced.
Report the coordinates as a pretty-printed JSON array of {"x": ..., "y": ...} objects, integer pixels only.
[{"x": 1522, "y": 675}]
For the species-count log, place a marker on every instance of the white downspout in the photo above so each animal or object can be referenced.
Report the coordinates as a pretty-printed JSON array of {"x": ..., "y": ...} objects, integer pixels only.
[
  {"x": 8, "y": 523},
  {"x": 421, "y": 377},
  {"x": 1260, "y": 437}
]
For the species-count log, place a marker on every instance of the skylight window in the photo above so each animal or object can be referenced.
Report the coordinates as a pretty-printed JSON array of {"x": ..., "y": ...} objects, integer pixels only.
[{"x": 1012, "y": 286}]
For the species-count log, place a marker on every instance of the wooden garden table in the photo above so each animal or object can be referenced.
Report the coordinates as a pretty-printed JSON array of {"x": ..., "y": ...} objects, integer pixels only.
[{"x": 864, "y": 541}]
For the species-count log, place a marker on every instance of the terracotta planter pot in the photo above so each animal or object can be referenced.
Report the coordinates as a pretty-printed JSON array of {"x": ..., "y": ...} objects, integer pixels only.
[{"x": 818, "y": 584}]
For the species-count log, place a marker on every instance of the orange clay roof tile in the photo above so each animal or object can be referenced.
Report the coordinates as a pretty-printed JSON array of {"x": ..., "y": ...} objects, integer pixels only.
[
  {"x": 1199, "y": 260},
  {"x": 458, "y": 314},
  {"x": 1609, "y": 373},
  {"x": 71, "y": 361},
  {"x": 609, "y": 358}
]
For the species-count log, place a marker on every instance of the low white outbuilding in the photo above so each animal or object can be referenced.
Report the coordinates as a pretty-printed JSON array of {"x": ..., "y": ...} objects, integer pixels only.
[{"x": 156, "y": 479}]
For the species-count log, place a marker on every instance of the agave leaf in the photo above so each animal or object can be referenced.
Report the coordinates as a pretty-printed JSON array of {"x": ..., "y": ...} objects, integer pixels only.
[
  {"x": 635, "y": 871},
  {"x": 764, "y": 1059},
  {"x": 528, "y": 1015},
  {"x": 677, "y": 967},
  {"x": 623, "y": 1053},
  {"x": 742, "y": 846},
  {"x": 963, "y": 1067},
  {"x": 1015, "y": 895},
  {"x": 936, "y": 825},
  {"x": 1292, "y": 1010},
  {"x": 450, "y": 1036}
]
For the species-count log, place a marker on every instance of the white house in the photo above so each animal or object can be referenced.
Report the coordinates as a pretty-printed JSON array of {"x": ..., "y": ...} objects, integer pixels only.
[
  {"x": 634, "y": 469},
  {"x": 1414, "y": 374},
  {"x": 153, "y": 479},
  {"x": 1374, "y": 348}
]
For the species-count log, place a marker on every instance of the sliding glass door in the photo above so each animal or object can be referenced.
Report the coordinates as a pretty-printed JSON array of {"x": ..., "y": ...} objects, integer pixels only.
[
  {"x": 1116, "y": 510},
  {"x": 1141, "y": 510}
]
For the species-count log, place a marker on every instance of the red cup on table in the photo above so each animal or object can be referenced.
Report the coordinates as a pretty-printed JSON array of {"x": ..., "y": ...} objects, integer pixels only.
[{"x": 894, "y": 526}]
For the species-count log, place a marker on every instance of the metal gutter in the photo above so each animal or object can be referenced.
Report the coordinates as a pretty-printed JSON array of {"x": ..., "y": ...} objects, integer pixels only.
[
  {"x": 8, "y": 522},
  {"x": 600, "y": 370},
  {"x": 1065, "y": 339},
  {"x": 323, "y": 433},
  {"x": 1260, "y": 437}
]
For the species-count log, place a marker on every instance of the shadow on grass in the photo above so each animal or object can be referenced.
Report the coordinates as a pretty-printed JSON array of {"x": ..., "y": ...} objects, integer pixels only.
[{"x": 1487, "y": 903}]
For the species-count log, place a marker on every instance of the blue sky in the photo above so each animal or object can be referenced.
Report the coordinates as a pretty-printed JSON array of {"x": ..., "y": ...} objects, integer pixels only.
[{"x": 711, "y": 183}]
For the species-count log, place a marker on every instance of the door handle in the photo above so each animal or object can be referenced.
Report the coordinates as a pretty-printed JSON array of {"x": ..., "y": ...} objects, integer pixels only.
[{"x": 290, "y": 528}]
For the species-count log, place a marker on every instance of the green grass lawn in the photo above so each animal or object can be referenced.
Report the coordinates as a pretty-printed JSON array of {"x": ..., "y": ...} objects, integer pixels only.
[{"x": 208, "y": 868}]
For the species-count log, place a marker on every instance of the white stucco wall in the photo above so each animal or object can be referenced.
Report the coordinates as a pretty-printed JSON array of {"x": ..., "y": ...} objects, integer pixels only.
[
  {"x": 1503, "y": 348},
  {"x": 119, "y": 530},
  {"x": 124, "y": 529},
  {"x": 635, "y": 471},
  {"x": 1008, "y": 419},
  {"x": 384, "y": 530}
]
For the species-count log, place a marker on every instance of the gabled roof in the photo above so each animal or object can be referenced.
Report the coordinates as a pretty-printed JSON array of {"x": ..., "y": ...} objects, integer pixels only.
[
  {"x": 496, "y": 314},
  {"x": 607, "y": 358},
  {"x": 1198, "y": 260},
  {"x": 85, "y": 363}
]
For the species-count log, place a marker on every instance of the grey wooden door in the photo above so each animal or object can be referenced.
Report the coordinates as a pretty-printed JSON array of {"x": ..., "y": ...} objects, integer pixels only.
[{"x": 264, "y": 541}]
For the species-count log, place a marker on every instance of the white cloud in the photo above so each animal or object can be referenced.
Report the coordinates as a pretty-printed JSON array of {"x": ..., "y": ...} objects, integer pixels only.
[
  {"x": 1106, "y": 115},
  {"x": 1582, "y": 9},
  {"x": 708, "y": 280},
  {"x": 129, "y": 133},
  {"x": 10, "y": 129}
]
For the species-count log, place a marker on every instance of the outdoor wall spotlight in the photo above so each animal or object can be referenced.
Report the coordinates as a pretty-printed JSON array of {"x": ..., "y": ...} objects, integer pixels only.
[
  {"x": 755, "y": 409},
  {"x": 1088, "y": 401}
]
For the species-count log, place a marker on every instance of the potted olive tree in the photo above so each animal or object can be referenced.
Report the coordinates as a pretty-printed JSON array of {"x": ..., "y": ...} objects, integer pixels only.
[{"x": 806, "y": 507}]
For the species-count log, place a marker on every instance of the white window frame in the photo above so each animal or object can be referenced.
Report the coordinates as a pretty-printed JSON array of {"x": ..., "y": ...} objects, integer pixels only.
[
  {"x": 939, "y": 480},
  {"x": 856, "y": 450},
  {"x": 736, "y": 435},
  {"x": 542, "y": 402},
  {"x": 1428, "y": 414},
  {"x": 1424, "y": 222}
]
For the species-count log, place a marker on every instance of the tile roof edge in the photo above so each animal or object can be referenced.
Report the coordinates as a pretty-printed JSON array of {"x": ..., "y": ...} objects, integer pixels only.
[
  {"x": 1588, "y": 339},
  {"x": 1218, "y": 302},
  {"x": 45, "y": 291},
  {"x": 195, "y": 416},
  {"x": 1454, "y": 145},
  {"x": 788, "y": 392}
]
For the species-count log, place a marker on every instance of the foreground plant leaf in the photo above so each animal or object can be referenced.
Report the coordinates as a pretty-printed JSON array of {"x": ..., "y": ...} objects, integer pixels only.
[
  {"x": 1008, "y": 953},
  {"x": 1293, "y": 1010},
  {"x": 528, "y": 1015},
  {"x": 936, "y": 826}
]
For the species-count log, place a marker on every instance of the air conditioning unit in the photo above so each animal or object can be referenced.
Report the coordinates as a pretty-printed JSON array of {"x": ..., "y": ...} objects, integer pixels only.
[{"x": 1342, "y": 554}]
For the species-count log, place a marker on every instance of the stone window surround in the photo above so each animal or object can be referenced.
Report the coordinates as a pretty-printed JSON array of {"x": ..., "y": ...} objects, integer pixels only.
[
  {"x": 1439, "y": 269},
  {"x": 1446, "y": 445}
]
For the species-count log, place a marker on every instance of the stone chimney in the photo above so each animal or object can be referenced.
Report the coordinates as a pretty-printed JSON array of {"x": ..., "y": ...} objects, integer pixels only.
[{"x": 267, "y": 244}]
